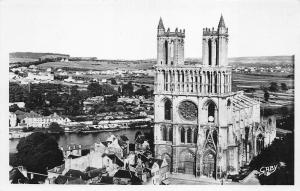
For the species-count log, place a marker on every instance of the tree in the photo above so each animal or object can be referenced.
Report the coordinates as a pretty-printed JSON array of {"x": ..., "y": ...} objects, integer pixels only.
[
  {"x": 113, "y": 81},
  {"x": 127, "y": 89},
  {"x": 273, "y": 87},
  {"x": 108, "y": 90},
  {"x": 94, "y": 89},
  {"x": 17, "y": 93},
  {"x": 39, "y": 152},
  {"x": 55, "y": 128},
  {"x": 266, "y": 96},
  {"x": 142, "y": 92},
  {"x": 13, "y": 108},
  {"x": 120, "y": 90},
  {"x": 284, "y": 86}
]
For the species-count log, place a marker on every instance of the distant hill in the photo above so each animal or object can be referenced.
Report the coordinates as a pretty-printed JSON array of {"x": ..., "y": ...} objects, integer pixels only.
[
  {"x": 29, "y": 57},
  {"x": 33, "y": 55},
  {"x": 253, "y": 61}
]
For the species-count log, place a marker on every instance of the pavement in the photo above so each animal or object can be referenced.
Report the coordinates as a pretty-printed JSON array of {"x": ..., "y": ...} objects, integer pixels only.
[
  {"x": 188, "y": 179},
  {"x": 177, "y": 179}
]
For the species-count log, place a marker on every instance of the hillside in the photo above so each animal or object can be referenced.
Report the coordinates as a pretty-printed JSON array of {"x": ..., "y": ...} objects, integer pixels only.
[
  {"x": 144, "y": 64},
  {"x": 30, "y": 56},
  {"x": 254, "y": 61}
]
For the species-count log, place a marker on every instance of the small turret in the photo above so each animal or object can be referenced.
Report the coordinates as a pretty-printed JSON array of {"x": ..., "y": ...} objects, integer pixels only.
[
  {"x": 222, "y": 27},
  {"x": 221, "y": 22},
  {"x": 160, "y": 28}
]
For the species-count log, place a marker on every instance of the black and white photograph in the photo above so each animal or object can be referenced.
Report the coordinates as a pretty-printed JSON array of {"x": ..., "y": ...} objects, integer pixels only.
[{"x": 148, "y": 92}]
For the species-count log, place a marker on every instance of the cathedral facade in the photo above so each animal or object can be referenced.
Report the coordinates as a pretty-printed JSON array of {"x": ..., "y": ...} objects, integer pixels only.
[{"x": 201, "y": 126}]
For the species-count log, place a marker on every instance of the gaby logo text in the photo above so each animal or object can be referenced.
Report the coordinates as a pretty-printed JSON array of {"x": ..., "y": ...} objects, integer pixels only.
[{"x": 267, "y": 171}]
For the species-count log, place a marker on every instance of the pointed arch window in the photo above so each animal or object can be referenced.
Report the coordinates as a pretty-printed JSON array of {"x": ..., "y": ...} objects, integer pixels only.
[
  {"x": 170, "y": 134},
  {"x": 228, "y": 103},
  {"x": 259, "y": 143},
  {"x": 195, "y": 135},
  {"x": 182, "y": 135},
  {"x": 166, "y": 51},
  {"x": 211, "y": 111},
  {"x": 168, "y": 110},
  {"x": 209, "y": 52},
  {"x": 189, "y": 135},
  {"x": 164, "y": 133}
]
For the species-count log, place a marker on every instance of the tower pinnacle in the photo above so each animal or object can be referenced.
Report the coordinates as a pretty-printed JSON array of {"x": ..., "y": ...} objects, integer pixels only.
[
  {"x": 160, "y": 24},
  {"x": 221, "y": 22}
]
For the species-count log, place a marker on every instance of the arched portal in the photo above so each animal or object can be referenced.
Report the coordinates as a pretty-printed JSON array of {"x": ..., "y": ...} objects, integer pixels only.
[
  {"x": 209, "y": 164},
  {"x": 186, "y": 162}
]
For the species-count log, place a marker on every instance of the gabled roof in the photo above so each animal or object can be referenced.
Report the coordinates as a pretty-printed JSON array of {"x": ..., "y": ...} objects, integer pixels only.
[
  {"x": 124, "y": 138},
  {"x": 58, "y": 169},
  {"x": 73, "y": 156},
  {"x": 76, "y": 174},
  {"x": 158, "y": 161},
  {"x": 95, "y": 172},
  {"x": 104, "y": 143},
  {"x": 63, "y": 179},
  {"x": 124, "y": 174},
  {"x": 106, "y": 180},
  {"x": 143, "y": 158},
  {"x": 115, "y": 159},
  {"x": 128, "y": 174}
]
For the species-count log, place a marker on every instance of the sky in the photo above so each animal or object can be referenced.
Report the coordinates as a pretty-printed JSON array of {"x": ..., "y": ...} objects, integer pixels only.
[{"x": 126, "y": 29}]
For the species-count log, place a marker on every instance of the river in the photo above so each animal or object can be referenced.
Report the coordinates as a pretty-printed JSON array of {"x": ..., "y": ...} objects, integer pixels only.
[{"x": 86, "y": 139}]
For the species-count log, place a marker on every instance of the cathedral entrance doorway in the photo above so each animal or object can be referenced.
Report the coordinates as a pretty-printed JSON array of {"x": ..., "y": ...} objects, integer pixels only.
[
  {"x": 209, "y": 165},
  {"x": 186, "y": 162}
]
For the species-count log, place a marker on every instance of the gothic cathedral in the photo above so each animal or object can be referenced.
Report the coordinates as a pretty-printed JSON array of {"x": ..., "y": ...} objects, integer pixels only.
[{"x": 201, "y": 126}]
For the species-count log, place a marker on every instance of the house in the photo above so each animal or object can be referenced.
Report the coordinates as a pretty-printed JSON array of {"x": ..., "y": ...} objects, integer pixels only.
[
  {"x": 115, "y": 148},
  {"x": 112, "y": 162},
  {"x": 125, "y": 177},
  {"x": 93, "y": 159},
  {"x": 71, "y": 150},
  {"x": 56, "y": 171},
  {"x": 17, "y": 177},
  {"x": 12, "y": 120},
  {"x": 68, "y": 180},
  {"x": 19, "y": 104},
  {"x": 106, "y": 180},
  {"x": 94, "y": 175},
  {"x": 33, "y": 120},
  {"x": 139, "y": 169},
  {"x": 159, "y": 170},
  {"x": 91, "y": 102}
]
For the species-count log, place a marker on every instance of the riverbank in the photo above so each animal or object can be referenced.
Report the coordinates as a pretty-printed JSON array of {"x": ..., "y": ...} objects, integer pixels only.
[
  {"x": 87, "y": 139},
  {"x": 18, "y": 133}
]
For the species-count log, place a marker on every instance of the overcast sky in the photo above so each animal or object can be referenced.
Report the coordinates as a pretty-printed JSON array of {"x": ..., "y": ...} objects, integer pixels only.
[{"x": 126, "y": 29}]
